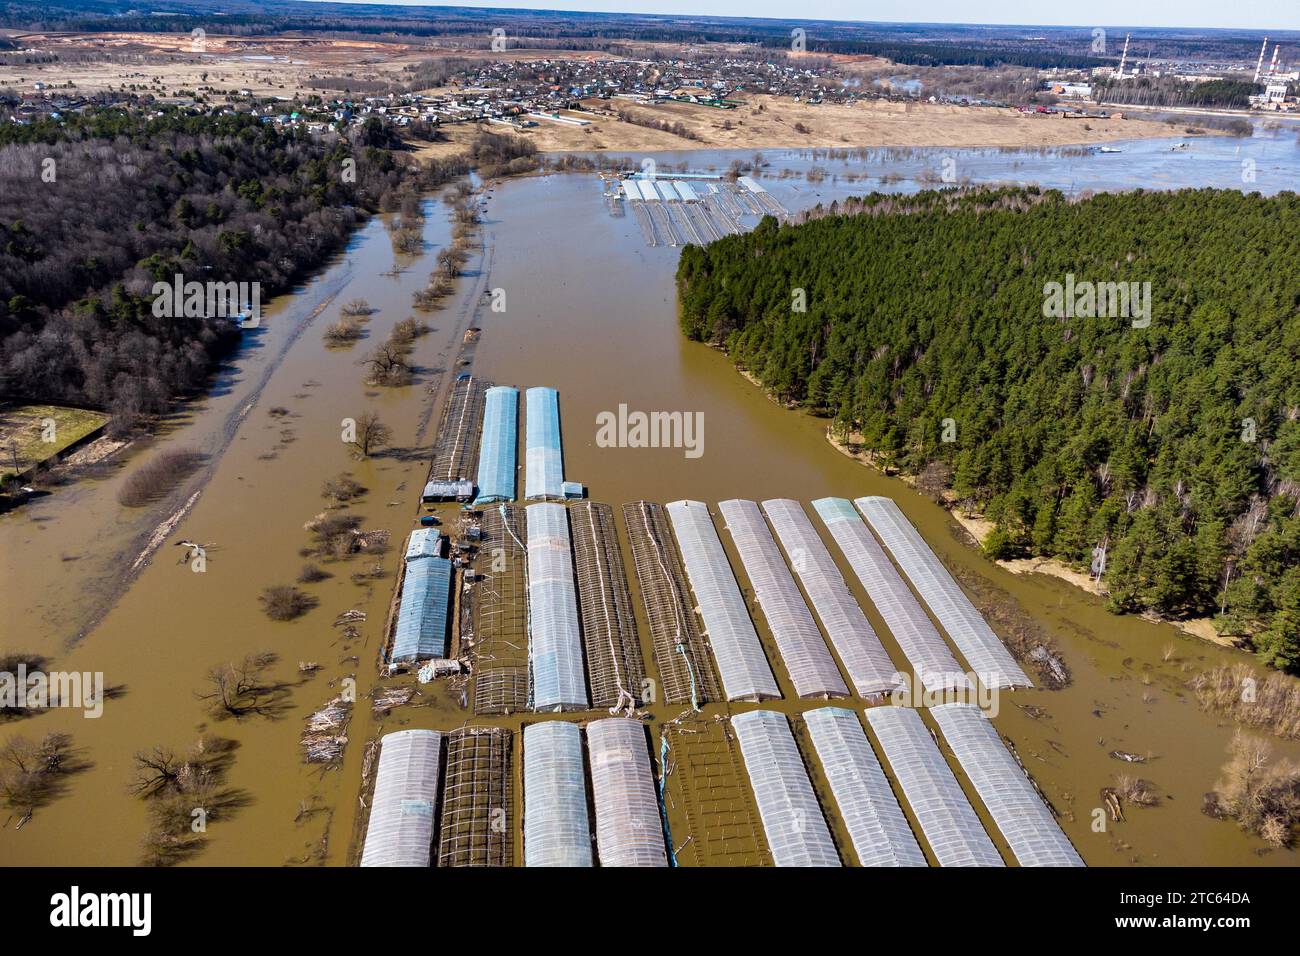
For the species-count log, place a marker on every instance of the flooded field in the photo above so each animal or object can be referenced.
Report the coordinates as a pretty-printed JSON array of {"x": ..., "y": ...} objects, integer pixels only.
[{"x": 588, "y": 310}]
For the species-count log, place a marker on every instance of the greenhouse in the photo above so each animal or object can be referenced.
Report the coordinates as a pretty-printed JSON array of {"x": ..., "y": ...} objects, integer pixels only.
[
  {"x": 949, "y": 822},
  {"x": 919, "y": 639},
  {"x": 400, "y": 831},
  {"x": 803, "y": 649},
  {"x": 1005, "y": 789},
  {"x": 423, "y": 543},
  {"x": 556, "y": 831},
  {"x": 424, "y": 614},
  {"x": 742, "y": 665},
  {"x": 792, "y": 818},
  {"x": 864, "y": 656},
  {"x": 497, "y": 450},
  {"x": 629, "y": 831},
  {"x": 543, "y": 457},
  {"x": 982, "y": 648},
  {"x": 555, "y": 642},
  {"x": 867, "y": 805}
]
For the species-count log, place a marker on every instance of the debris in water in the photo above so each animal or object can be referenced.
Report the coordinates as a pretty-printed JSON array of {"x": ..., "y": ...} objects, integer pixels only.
[{"x": 324, "y": 738}]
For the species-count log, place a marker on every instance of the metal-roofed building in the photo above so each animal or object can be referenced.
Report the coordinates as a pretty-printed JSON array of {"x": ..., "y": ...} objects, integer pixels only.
[
  {"x": 629, "y": 831},
  {"x": 742, "y": 665},
  {"x": 870, "y": 811},
  {"x": 982, "y": 648},
  {"x": 423, "y": 543},
  {"x": 919, "y": 639},
  {"x": 855, "y": 640},
  {"x": 555, "y": 643},
  {"x": 809, "y": 662},
  {"x": 949, "y": 822},
  {"x": 424, "y": 614},
  {"x": 1005, "y": 789},
  {"x": 498, "y": 448},
  {"x": 543, "y": 457},
  {"x": 400, "y": 830},
  {"x": 458, "y": 489},
  {"x": 792, "y": 818},
  {"x": 556, "y": 828}
]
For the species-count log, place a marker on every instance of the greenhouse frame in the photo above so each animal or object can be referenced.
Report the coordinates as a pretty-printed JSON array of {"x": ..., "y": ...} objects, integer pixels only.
[
  {"x": 424, "y": 614},
  {"x": 869, "y": 666},
  {"x": 792, "y": 818},
  {"x": 919, "y": 639},
  {"x": 499, "y": 446},
  {"x": 400, "y": 829},
  {"x": 629, "y": 830},
  {"x": 543, "y": 455},
  {"x": 803, "y": 649},
  {"x": 949, "y": 822},
  {"x": 1005, "y": 789},
  {"x": 981, "y": 647},
  {"x": 554, "y": 639},
  {"x": 742, "y": 665},
  {"x": 877, "y": 826},
  {"x": 556, "y": 828}
]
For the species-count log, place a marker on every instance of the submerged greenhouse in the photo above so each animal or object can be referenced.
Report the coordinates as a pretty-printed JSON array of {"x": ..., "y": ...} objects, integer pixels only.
[
  {"x": 498, "y": 448},
  {"x": 543, "y": 455},
  {"x": 742, "y": 665},
  {"x": 556, "y": 830},
  {"x": 400, "y": 831}
]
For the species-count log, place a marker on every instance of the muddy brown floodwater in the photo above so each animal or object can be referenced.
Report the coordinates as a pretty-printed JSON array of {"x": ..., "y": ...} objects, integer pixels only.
[{"x": 589, "y": 311}]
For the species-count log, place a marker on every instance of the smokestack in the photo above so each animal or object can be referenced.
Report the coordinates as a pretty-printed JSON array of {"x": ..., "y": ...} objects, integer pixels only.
[
  {"x": 1124, "y": 56},
  {"x": 1259, "y": 65},
  {"x": 1272, "y": 67}
]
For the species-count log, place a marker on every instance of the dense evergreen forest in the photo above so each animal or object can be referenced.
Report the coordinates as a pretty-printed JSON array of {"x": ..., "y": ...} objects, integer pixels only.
[
  {"x": 1175, "y": 447},
  {"x": 95, "y": 209}
]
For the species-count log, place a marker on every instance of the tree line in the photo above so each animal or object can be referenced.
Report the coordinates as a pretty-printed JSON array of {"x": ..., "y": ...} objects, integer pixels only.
[
  {"x": 97, "y": 208},
  {"x": 1165, "y": 457}
]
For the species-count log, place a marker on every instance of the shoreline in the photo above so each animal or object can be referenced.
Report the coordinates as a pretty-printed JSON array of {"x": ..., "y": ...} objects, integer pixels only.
[{"x": 977, "y": 528}]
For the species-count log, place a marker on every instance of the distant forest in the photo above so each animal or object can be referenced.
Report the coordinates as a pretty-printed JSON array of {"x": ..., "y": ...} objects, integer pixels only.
[
  {"x": 96, "y": 209},
  {"x": 1174, "y": 447}
]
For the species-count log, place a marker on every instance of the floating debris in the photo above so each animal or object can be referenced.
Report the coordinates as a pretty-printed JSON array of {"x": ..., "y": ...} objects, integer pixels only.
[
  {"x": 385, "y": 699},
  {"x": 324, "y": 739}
]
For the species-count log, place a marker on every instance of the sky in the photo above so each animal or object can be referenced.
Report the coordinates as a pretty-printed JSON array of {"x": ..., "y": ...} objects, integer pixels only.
[{"x": 1238, "y": 14}]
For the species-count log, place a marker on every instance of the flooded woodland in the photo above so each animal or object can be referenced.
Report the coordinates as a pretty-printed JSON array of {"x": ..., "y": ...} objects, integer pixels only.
[{"x": 589, "y": 309}]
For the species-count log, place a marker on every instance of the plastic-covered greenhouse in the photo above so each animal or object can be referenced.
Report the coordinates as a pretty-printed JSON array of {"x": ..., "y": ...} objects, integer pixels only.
[
  {"x": 867, "y": 805},
  {"x": 543, "y": 457},
  {"x": 982, "y": 648},
  {"x": 424, "y": 615},
  {"x": 920, "y": 641},
  {"x": 423, "y": 543},
  {"x": 497, "y": 450},
  {"x": 400, "y": 831},
  {"x": 949, "y": 822},
  {"x": 1005, "y": 789},
  {"x": 792, "y": 818},
  {"x": 629, "y": 831},
  {"x": 555, "y": 643},
  {"x": 864, "y": 656},
  {"x": 742, "y": 665},
  {"x": 812, "y": 669},
  {"x": 556, "y": 829}
]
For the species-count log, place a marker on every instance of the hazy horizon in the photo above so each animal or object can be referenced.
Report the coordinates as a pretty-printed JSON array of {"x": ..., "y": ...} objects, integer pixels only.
[{"x": 1112, "y": 14}]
